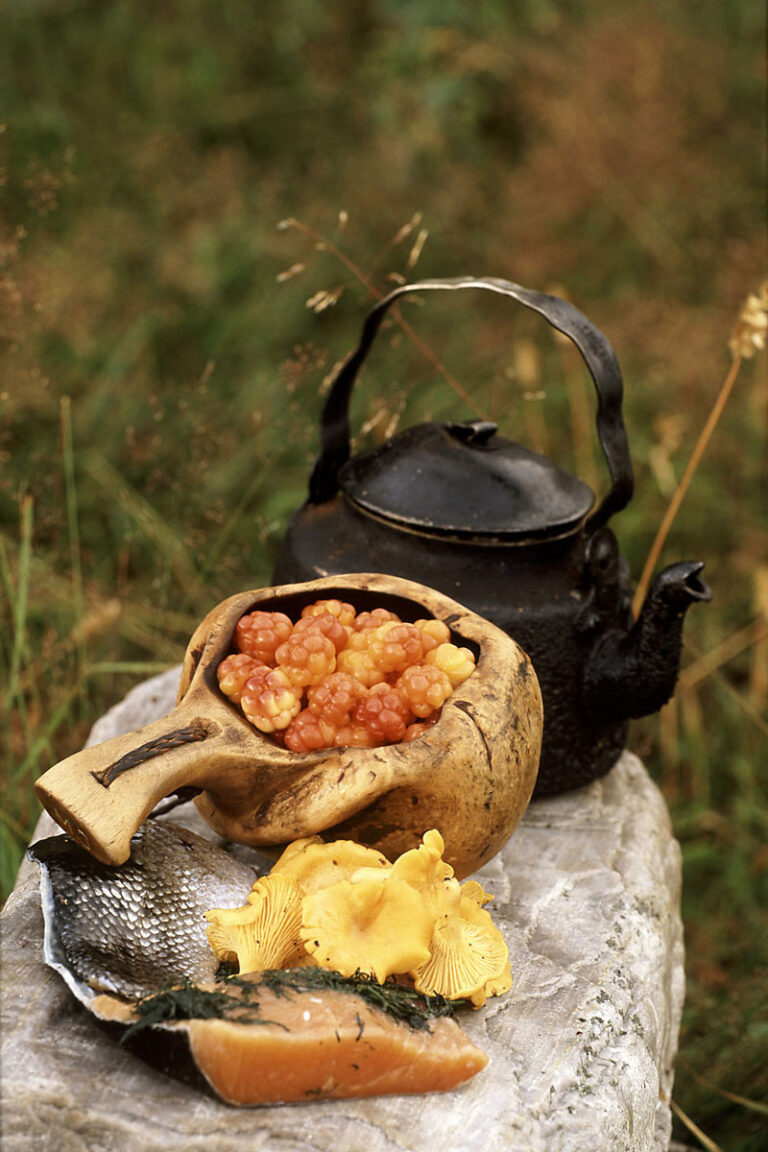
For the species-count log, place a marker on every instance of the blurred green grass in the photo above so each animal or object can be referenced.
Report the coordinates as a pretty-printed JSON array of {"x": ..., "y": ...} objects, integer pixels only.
[{"x": 160, "y": 388}]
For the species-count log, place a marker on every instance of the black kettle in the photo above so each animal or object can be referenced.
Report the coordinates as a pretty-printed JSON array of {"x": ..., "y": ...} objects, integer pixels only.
[{"x": 515, "y": 538}]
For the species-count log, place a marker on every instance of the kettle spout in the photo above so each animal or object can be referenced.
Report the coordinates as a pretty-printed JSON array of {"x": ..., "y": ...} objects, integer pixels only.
[{"x": 631, "y": 674}]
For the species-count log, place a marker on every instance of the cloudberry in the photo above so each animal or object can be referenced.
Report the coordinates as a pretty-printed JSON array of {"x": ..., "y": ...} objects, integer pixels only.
[
  {"x": 433, "y": 632},
  {"x": 385, "y": 712},
  {"x": 374, "y": 619},
  {"x": 341, "y": 679},
  {"x": 360, "y": 665},
  {"x": 395, "y": 647},
  {"x": 354, "y": 736},
  {"x": 270, "y": 700},
  {"x": 334, "y": 698},
  {"x": 233, "y": 672},
  {"x": 308, "y": 732},
  {"x": 413, "y": 731},
  {"x": 327, "y": 624},
  {"x": 425, "y": 687},
  {"x": 360, "y": 641},
  {"x": 345, "y": 613},
  {"x": 306, "y": 658},
  {"x": 457, "y": 663},
  {"x": 259, "y": 634}
]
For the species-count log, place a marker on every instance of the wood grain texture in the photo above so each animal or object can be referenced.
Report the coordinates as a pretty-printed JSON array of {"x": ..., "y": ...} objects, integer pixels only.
[{"x": 471, "y": 774}]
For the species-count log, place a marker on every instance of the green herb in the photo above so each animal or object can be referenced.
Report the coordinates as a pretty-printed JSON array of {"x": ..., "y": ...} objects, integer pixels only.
[
  {"x": 401, "y": 1003},
  {"x": 186, "y": 1001}
]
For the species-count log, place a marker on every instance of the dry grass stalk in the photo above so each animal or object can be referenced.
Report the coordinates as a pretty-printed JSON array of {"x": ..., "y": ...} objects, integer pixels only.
[
  {"x": 668, "y": 430},
  {"x": 527, "y": 369},
  {"x": 742, "y": 701},
  {"x": 679, "y": 494},
  {"x": 416, "y": 250},
  {"x": 754, "y": 634},
  {"x": 691, "y": 711},
  {"x": 749, "y": 335},
  {"x": 758, "y": 671},
  {"x": 706, "y": 1143},
  {"x": 580, "y": 412},
  {"x": 322, "y": 300}
]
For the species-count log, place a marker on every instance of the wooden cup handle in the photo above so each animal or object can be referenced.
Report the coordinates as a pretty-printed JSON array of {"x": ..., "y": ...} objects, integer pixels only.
[{"x": 102, "y": 795}]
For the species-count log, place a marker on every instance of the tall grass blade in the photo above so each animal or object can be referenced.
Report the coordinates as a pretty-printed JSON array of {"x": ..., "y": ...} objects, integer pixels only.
[
  {"x": 679, "y": 495},
  {"x": 18, "y": 598},
  {"x": 146, "y": 518},
  {"x": 73, "y": 525},
  {"x": 694, "y": 1129}
]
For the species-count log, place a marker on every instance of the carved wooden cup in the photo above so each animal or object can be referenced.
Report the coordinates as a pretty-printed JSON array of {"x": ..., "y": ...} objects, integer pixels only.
[{"x": 470, "y": 775}]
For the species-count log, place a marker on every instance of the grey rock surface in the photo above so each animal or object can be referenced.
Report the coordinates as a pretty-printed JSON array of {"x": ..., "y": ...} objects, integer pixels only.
[{"x": 587, "y": 893}]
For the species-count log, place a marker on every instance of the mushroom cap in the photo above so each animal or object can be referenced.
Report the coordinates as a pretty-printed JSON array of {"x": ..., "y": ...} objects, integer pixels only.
[
  {"x": 315, "y": 865},
  {"x": 472, "y": 890},
  {"x": 469, "y": 957},
  {"x": 377, "y": 926},
  {"x": 424, "y": 866},
  {"x": 464, "y": 959},
  {"x": 265, "y": 933}
]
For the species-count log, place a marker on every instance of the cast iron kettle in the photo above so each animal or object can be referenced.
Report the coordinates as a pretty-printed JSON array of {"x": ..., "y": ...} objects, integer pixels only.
[{"x": 512, "y": 536}]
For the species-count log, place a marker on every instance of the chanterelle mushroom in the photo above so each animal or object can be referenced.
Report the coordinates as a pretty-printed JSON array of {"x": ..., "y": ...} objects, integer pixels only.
[
  {"x": 315, "y": 865},
  {"x": 378, "y": 925},
  {"x": 265, "y": 932},
  {"x": 469, "y": 958},
  {"x": 343, "y": 906}
]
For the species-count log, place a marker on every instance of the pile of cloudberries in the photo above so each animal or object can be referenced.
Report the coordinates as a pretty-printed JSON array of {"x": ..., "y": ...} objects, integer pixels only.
[{"x": 339, "y": 678}]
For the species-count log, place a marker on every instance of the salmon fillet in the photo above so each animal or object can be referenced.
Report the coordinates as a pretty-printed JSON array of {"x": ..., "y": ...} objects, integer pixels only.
[
  {"x": 323, "y": 1044},
  {"x": 276, "y": 1047}
]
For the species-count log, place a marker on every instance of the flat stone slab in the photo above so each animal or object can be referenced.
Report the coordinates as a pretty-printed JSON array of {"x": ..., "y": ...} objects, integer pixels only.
[{"x": 587, "y": 894}]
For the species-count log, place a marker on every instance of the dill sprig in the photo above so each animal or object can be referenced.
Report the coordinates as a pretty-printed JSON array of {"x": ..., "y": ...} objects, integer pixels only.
[
  {"x": 397, "y": 1000},
  {"x": 188, "y": 1001}
]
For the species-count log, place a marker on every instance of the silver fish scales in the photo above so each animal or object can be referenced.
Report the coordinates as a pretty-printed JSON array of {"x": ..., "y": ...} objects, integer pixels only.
[{"x": 136, "y": 928}]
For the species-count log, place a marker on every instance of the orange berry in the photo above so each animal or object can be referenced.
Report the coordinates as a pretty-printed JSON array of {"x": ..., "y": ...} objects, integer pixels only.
[
  {"x": 269, "y": 700},
  {"x": 360, "y": 665},
  {"x": 385, "y": 712},
  {"x": 433, "y": 632},
  {"x": 354, "y": 736},
  {"x": 425, "y": 687},
  {"x": 457, "y": 663},
  {"x": 360, "y": 641},
  {"x": 259, "y": 634},
  {"x": 345, "y": 613},
  {"x": 341, "y": 679},
  {"x": 306, "y": 658},
  {"x": 395, "y": 647},
  {"x": 327, "y": 624},
  {"x": 307, "y": 732},
  {"x": 234, "y": 671},
  {"x": 413, "y": 731},
  {"x": 334, "y": 697},
  {"x": 374, "y": 619}
]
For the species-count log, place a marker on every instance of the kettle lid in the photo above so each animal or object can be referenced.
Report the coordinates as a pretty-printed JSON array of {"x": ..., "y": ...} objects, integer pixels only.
[{"x": 465, "y": 482}]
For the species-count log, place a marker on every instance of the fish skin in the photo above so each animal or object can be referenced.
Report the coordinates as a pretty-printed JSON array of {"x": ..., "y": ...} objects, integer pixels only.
[{"x": 136, "y": 928}]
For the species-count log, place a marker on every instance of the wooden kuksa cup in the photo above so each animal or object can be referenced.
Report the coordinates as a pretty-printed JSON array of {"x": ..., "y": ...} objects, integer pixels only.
[{"x": 470, "y": 775}]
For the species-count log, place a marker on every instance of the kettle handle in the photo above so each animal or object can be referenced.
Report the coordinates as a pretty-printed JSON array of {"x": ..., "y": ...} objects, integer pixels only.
[{"x": 596, "y": 352}]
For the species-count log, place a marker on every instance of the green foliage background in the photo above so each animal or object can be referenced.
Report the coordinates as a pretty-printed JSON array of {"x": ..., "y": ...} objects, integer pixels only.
[{"x": 160, "y": 386}]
